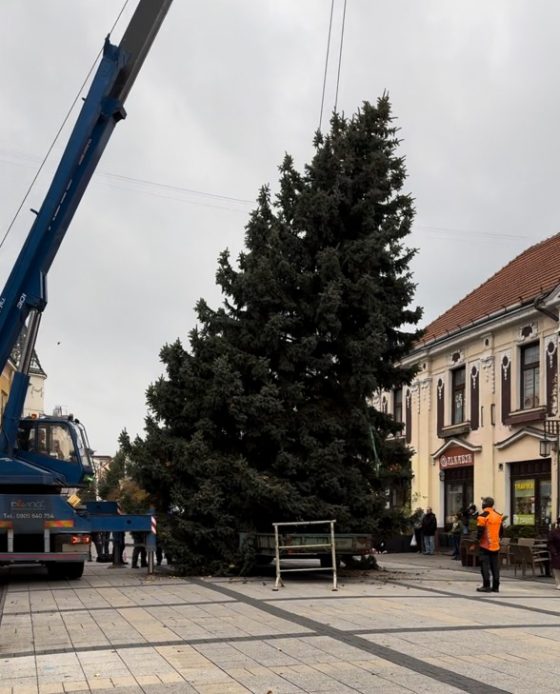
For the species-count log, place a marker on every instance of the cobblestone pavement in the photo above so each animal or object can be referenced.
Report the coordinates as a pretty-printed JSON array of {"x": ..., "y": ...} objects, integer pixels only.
[{"x": 416, "y": 626}]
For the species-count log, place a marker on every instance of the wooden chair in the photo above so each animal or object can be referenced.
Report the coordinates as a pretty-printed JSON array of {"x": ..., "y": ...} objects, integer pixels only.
[
  {"x": 505, "y": 551},
  {"x": 469, "y": 551},
  {"x": 521, "y": 555}
]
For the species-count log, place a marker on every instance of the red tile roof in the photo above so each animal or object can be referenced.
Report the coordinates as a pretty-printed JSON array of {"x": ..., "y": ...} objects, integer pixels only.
[{"x": 534, "y": 272}]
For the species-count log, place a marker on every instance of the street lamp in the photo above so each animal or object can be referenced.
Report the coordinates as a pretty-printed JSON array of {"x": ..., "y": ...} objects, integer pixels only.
[
  {"x": 552, "y": 438},
  {"x": 545, "y": 447}
]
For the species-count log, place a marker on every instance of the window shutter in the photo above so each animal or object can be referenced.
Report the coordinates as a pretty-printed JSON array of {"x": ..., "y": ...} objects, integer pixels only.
[
  {"x": 408, "y": 416},
  {"x": 551, "y": 378},
  {"x": 474, "y": 398},
  {"x": 440, "y": 405},
  {"x": 506, "y": 387}
]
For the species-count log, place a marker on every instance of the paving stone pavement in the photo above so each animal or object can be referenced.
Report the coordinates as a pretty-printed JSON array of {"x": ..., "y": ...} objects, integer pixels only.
[{"x": 417, "y": 625}]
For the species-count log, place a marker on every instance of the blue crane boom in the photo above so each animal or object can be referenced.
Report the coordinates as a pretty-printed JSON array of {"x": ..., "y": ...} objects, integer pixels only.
[
  {"x": 25, "y": 295},
  {"x": 40, "y": 457}
]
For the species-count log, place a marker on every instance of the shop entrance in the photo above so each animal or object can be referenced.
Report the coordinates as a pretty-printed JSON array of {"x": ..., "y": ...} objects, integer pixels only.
[
  {"x": 458, "y": 490},
  {"x": 531, "y": 494}
]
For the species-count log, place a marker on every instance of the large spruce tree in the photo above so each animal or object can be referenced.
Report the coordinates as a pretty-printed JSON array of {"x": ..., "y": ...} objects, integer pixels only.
[{"x": 268, "y": 416}]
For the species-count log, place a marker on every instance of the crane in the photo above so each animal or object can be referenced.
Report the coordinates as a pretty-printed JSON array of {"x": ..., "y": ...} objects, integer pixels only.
[{"x": 39, "y": 457}]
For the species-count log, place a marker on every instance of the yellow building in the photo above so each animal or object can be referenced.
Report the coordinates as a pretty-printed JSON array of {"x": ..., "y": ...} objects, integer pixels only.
[
  {"x": 34, "y": 401},
  {"x": 482, "y": 413}
]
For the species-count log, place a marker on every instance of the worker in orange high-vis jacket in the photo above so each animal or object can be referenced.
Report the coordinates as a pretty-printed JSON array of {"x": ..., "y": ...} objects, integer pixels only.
[{"x": 490, "y": 530}]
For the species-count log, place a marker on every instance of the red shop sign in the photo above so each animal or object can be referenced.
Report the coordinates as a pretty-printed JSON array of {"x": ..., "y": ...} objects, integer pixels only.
[{"x": 456, "y": 456}]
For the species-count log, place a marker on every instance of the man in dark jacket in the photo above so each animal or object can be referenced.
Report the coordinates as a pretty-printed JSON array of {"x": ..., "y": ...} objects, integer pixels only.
[{"x": 429, "y": 527}]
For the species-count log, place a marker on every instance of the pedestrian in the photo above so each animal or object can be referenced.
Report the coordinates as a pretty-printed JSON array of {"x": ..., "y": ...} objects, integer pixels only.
[
  {"x": 97, "y": 542},
  {"x": 118, "y": 547},
  {"x": 417, "y": 517},
  {"x": 429, "y": 527},
  {"x": 554, "y": 550},
  {"x": 489, "y": 531},
  {"x": 465, "y": 517},
  {"x": 456, "y": 533},
  {"x": 139, "y": 550},
  {"x": 473, "y": 514}
]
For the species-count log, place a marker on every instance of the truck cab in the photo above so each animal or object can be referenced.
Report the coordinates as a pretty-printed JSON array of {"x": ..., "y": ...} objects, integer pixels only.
[{"x": 56, "y": 443}]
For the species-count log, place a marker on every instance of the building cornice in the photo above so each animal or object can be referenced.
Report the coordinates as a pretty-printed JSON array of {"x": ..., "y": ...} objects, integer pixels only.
[
  {"x": 456, "y": 442},
  {"x": 479, "y": 328},
  {"x": 521, "y": 434}
]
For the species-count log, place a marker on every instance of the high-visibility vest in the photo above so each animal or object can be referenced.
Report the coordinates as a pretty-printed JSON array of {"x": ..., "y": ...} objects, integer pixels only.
[{"x": 491, "y": 523}]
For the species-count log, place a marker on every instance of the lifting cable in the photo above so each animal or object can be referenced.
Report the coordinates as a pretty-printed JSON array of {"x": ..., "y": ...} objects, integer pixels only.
[
  {"x": 340, "y": 55},
  {"x": 50, "y": 149},
  {"x": 326, "y": 66},
  {"x": 327, "y": 59}
]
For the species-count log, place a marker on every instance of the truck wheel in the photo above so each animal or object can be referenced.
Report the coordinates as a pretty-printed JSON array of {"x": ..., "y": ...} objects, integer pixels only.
[{"x": 71, "y": 570}]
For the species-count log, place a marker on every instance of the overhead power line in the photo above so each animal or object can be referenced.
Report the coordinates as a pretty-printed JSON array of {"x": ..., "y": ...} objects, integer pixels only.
[
  {"x": 64, "y": 121},
  {"x": 221, "y": 201},
  {"x": 145, "y": 186}
]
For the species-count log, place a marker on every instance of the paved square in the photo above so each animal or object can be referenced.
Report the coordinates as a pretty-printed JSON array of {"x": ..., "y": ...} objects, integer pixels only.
[{"x": 417, "y": 625}]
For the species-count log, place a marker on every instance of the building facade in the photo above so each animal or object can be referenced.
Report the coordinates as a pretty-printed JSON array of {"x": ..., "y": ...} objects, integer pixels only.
[
  {"x": 35, "y": 398},
  {"x": 482, "y": 414}
]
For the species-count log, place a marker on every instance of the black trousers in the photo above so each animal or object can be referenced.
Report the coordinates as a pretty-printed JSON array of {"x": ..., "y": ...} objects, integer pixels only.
[
  {"x": 139, "y": 552},
  {"x": 490, "y": 565}
]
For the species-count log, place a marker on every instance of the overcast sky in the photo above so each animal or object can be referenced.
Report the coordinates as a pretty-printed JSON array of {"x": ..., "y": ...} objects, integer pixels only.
[{"x": 229, "y": 86}]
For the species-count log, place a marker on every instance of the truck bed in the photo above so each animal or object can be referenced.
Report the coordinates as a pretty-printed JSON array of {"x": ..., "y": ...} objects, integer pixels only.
[{"x": 347, "y": 544}]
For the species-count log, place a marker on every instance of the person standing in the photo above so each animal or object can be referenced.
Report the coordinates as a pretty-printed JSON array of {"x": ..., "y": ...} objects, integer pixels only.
[
  {"x": 139, "y": 550},
  {"x": 554, "y": 551},
  {"x": 456, "y": 532},
  {"x": 118, "y": 548},
  {"x": 417, "y": 517},
  {"x": 489, "y": 531},
  {"x": 429, "y": 527}
]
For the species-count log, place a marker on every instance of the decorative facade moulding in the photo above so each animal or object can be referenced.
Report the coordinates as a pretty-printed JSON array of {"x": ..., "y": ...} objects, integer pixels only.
[
  {"x": 475, "y": 395},
  {"x": 475, "y": 370},
  {"x": 415, "y": 395},
  {"x": 528, "y": 331},
  {"x": 487, "y": 366},
  {"x": 426, "y": 392},
  {"x": 526, "y": 432},
  {"x": 505, "y": 363},
  {"x": 551, "y": 347},
  {"x": 551, "y": 371},
  {"x": 553, "y": 402},
  {"x": 457, "y": 358}
]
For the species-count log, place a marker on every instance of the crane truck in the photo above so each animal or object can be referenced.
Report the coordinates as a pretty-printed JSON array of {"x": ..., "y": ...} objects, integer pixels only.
[{"x": 43, "y": 457}]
